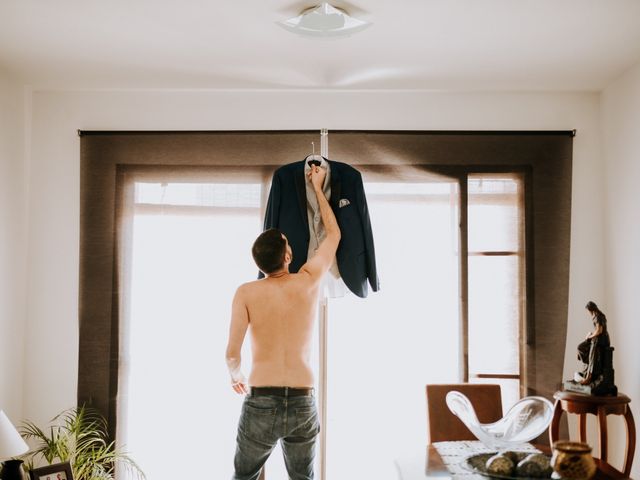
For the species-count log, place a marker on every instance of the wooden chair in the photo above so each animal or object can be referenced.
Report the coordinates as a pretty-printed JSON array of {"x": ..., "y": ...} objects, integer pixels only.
[{"x": 444, "y": 425}]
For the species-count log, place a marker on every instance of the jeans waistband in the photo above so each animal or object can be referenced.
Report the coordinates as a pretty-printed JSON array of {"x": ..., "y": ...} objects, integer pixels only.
[{"x": 282, "y": 391}]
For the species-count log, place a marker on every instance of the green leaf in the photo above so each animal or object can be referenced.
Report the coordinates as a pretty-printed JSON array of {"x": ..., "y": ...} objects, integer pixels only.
[{"x": 79, "y": 436}]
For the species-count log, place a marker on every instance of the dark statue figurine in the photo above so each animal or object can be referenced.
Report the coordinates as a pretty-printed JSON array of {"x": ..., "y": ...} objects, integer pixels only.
[{"x": 595, "y": 374}]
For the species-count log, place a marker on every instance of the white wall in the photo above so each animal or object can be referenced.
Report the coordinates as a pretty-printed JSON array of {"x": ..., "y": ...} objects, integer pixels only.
[
  {"x": 12, "y": 245},
  {"x": 54, "y": 183},
  {"x": 621, "y": 140}
]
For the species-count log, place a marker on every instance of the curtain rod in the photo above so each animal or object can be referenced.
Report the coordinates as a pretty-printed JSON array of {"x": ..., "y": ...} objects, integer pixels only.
[{"x": 572, "y": 133}]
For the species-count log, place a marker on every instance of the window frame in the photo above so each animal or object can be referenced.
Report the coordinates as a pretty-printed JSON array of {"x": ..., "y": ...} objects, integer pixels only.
[{"x": 523, "y": 177}]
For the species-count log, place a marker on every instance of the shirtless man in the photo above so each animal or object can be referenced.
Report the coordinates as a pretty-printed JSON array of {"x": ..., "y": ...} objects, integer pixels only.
[{"x": 280, "y": 309}]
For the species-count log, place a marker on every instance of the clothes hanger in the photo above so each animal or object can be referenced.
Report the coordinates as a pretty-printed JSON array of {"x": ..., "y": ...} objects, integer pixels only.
[{"x": 314, "y": 159}]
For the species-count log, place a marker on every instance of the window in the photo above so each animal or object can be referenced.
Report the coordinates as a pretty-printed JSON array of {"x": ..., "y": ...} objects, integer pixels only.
[
  {"x": 497, "y": 302},
  {"x": 190, "y": 248},
  {"x": 103, "y": 309}
]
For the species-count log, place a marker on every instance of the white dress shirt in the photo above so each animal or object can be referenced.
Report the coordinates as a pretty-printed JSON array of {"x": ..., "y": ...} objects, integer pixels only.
[{"x": 334, "y": 286}]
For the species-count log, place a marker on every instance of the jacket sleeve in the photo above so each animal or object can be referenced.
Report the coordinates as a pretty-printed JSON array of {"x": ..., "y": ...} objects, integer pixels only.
[
  {"x": 372, "y": 273},
  {"x": 272, "y": 213}
]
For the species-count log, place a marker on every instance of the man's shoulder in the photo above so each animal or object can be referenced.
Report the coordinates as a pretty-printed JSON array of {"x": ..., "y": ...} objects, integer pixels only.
[
  {"x": 249, "y": 287},
  {"x": 261, "y": 284},
  {"x": 252, "y": 284}
]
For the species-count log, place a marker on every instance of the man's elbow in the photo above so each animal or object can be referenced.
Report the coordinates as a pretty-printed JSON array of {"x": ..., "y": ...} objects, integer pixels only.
[{"x": 232, "y": 357}]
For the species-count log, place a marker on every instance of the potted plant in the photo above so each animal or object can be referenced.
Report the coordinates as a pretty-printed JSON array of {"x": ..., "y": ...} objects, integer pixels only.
[{"x": 78, "y": 436}]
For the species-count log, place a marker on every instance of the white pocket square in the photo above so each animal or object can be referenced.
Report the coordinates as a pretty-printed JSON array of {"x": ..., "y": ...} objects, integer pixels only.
[{"x": 343, "y": 202}]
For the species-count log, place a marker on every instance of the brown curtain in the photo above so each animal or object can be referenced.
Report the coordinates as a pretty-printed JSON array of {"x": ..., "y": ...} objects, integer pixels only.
[{"x": 544, "y": 158}]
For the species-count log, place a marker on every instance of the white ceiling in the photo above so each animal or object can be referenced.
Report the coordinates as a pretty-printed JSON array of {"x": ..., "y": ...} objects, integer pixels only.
[{"x": 504, "y": 45}]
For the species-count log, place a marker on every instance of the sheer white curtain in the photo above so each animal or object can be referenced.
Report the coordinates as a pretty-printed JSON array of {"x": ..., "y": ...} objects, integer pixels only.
[
  {"x": 186, "y": 247},
  {"x": 188, "y": 250},
  {"x": 383, "y": 350}
]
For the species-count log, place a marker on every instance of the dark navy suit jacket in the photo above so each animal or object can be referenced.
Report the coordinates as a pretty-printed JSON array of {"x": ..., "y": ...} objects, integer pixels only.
[{"x": 287, "y": 211}]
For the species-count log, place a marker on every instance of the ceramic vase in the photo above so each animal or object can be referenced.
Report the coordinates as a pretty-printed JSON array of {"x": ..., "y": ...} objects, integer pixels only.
[{"x": 572, "y": 461}]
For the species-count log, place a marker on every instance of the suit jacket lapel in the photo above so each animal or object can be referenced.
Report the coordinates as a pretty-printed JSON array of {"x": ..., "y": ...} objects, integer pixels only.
[
  {"x": 335, "y": 185},
  {"x": 301, "y": 190}
]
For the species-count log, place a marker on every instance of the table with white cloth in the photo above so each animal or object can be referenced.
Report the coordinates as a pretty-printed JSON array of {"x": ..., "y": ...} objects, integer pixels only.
[{"x": 444, "y": 460}]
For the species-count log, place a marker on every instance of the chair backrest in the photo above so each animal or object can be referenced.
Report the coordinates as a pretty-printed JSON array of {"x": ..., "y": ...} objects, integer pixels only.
[{"x": 444, "y": 425}]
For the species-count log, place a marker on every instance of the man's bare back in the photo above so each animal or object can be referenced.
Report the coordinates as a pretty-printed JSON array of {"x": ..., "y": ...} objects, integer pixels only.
[{"x": 280, "y": 311}]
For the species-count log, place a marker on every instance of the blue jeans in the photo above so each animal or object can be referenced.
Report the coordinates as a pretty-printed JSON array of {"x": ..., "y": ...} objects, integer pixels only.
[{"x": 264, "y": 420}]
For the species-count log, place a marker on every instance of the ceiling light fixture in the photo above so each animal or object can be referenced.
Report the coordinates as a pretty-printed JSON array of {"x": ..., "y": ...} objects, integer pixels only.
[{"x": 324, "y": 21}]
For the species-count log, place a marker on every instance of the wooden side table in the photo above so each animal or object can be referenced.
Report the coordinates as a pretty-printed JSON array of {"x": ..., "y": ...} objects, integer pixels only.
[{"x": 581, "y": 405}]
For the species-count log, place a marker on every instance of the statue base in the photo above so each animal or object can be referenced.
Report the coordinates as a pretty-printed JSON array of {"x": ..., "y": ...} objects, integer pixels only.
[
  {"x": 601, "y": 374},
  {"x": 573, "y": 386},
  {"x": 598, "y": 388}
]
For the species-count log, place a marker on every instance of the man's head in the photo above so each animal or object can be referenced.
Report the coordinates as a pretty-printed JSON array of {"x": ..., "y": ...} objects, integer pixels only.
[{"x": 271, "y": 251}]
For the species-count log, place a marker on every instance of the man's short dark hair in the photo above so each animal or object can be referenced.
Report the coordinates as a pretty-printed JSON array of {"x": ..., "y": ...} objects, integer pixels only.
[{"x": 268, "y": 250}]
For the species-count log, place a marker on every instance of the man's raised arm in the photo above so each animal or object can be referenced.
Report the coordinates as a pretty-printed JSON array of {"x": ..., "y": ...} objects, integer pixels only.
[{"x": 322, "y": 260}]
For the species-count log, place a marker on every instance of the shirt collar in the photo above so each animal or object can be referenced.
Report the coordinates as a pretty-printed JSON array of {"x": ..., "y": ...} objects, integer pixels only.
[{"x": 323, "y": 164}]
